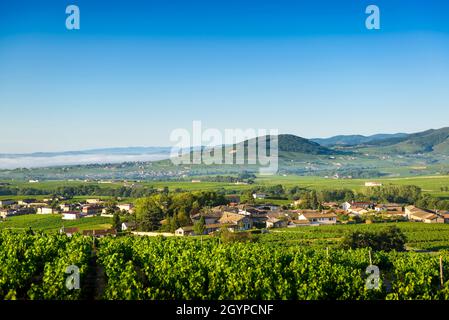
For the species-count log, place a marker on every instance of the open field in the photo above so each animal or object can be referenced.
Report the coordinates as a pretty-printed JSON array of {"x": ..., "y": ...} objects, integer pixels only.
[
  {"x": 429, "y": 184},
  {"x": 51, "y": 223}
]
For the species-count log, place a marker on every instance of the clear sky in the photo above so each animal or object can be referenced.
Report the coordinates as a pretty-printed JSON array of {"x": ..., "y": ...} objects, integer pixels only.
[{"x": 136, "y": 70}]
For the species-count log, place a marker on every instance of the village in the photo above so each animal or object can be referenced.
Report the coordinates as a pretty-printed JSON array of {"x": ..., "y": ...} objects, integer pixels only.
[
  {"x": 242, "y": 217},
  {"x": 234, "y": 216}
]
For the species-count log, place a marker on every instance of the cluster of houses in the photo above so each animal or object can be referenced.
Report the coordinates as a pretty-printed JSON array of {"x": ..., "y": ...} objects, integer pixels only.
[
  {"x": 68, "y": 211},
  {"x": 239, "y": 217},
  {"x": 234, "y": 217},
  {"x": 245, "y": 217},
  {"x": 410, "y": 213}
]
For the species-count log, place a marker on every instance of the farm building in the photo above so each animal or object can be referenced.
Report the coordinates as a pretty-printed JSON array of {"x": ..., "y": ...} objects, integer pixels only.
[{"x": 72, "y": 215}]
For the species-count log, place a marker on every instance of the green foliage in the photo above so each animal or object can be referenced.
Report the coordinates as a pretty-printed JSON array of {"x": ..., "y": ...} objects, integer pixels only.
[
  {"x": 176, "y": 207},
  {"x": 151, "y": 268},
  {"x": 389, "y": 239},
  {"x": 116, "y": 223},
  {"x": 199, "y": 226},
  {"x": 32, "y": 266},
  {"x": 227, "y": 236}
]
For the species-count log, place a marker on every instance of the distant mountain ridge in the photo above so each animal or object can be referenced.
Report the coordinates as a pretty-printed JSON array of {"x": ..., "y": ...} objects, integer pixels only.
[
  {"x": 429, "y": 141},
  {"x": 352, "y": 140},
  {"x": 111, "y": 151},
  {"x": 293, "y": 149}
]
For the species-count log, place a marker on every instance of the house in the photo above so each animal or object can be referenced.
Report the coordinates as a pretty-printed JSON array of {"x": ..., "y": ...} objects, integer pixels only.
[
  {"x": 268, "y": 207},
  {"x": 389, "y": 207},
  {"x": 331, "y": 205},
  {"x": 422, "y": 215},
  {"x": 445, "y": 217},
  {"x": 45, "y": 210},
  {"x": 68, "y": 231},
  {"x": 26, "y": 202},
  {"x": 100, "y": 233},
  {"x": 358, "y": 211},
  {"x": 128, "y": 226},
  {"x": 91, "y": 209},
  {"x": 242, "y": 222},
  {"x": 298, "y": 223},
  {"x": 15, "y": 212},
  {"x": 128, "y": 207},
  {"x": 184, "y": 231},
  {"x": 394, "y": 214},
  {"x": 373, "y": 184},
  {"x": 209, "y": 217},
  {"x": 71, "y": 215},
  {"x": 6, "y": 213},
  {"x": 318, "y": 218},
  {"x": 426, "y": 217},
  {"x": 259, "y": 219},
  {"x": 37, "y": 204},
  {"x": 276, "y": 223},
  {"x": 65, "y": 207},
  {"x": 93, "y": 201},
  {"x": 6, "y": 202},
  {"x": 259, "y": 195},
  {"x": 354, "y": 205}
]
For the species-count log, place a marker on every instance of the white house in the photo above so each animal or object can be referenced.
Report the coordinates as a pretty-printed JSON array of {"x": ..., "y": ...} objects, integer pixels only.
[
  {"x": 373, "y": 184},
  {"x": 6, "y": 213},
  {"x": 93, "y": 201},
  {"x": 128, "y": 207},
  {"x": 259, "y": 195},
  {"x": 275, "y": 223},
  {"x": 128, "y": 226},
  {"x": 68, "y": 231},
  {"x": 71, "y": 215},
  {"x": 319, "y": 218},
  {"x": 65, "y": 207},
  {"x": 26, "y": 202},
  {"x": 347, "y": 206},
  {"x": 45, "y": 210},
  {"x": 184, "y": 231}
]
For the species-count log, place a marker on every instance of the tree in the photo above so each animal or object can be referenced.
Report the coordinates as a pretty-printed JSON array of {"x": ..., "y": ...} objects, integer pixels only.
[
  {"x": 116, "y": 223},
  {"x": 389, "y": 239},
  {"x": 199, "y": 226},
  {"x": 150, "y": 211},
  {"x": 111, "y": 207}
]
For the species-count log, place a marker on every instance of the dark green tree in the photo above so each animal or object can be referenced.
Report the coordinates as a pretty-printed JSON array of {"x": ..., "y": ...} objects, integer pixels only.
[{"x": 199, "y": 226}]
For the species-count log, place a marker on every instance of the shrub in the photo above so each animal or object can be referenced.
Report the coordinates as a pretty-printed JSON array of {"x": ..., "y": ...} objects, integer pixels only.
[{"x": 389, "y": 239}]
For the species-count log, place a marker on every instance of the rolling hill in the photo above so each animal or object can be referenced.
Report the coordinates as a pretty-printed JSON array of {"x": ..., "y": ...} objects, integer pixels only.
[
  {"x": 354, "y": 140},
  {"x": 434, "y": 141},
  {"x": 397, "y": 154},
  {"x": 292, "y": 143}
]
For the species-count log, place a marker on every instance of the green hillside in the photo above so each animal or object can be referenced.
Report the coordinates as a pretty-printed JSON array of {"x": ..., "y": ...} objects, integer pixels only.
[{"x": 430, "y": 141}]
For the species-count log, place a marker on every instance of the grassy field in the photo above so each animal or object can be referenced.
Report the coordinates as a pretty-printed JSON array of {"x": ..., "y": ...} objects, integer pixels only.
[
  {"x": 50, "y": 223},
  {"x": 429, "y": 184}
]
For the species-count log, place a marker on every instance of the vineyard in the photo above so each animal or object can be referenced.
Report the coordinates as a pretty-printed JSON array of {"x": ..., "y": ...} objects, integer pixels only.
[
  {"x": 420, "y": 236},
  {"x": 34, "y": 267}
]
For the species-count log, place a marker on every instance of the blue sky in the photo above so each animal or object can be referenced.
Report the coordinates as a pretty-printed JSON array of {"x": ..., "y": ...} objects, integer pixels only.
[{"x": 136, "y": 70}]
